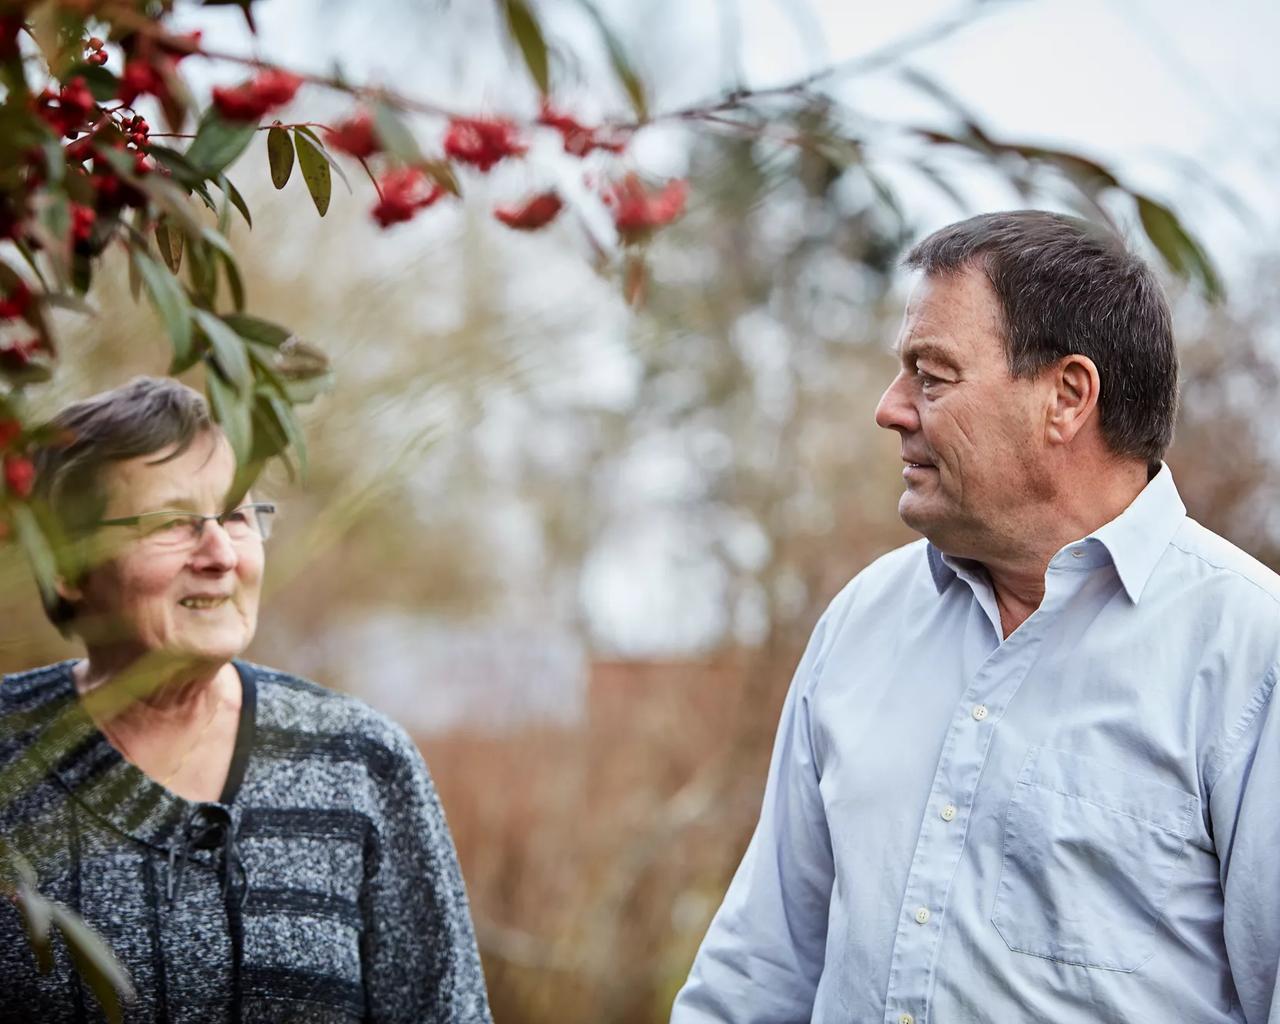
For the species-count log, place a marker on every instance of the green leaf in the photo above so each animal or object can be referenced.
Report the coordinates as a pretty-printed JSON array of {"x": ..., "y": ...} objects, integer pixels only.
[
  {"x": 1181, "y": 252},
  {"x": 218, "y": 143},
  {"x": 202, "y": 271},
  {"x": 220, "y": 245},
  {"x": 170, "y": 242},
  {"x": 38, "y": 551},
  {"x": 394, "y": 135},
  {"x": 101, "y": 82},
  {"x": 524, "y": 28},
  {"x": 315, "y": 172},
  {"x": 170, "y": 302},
  {"x": 95, "y": 963},
  {"x": 254, "y": 328},
  {"x": 292, "y": 428},
  {"x": 228, "y": 350},
  {"x": 231, "y": 411},
  {"x": 279, "y": 156},
  {"x": 37, "y": 916},
  {"x": 334, "y": 165},
  {"x": 622, "y": 68},
  {"x": 442, "y": 174},
  {"x": 237, "y": 200}
]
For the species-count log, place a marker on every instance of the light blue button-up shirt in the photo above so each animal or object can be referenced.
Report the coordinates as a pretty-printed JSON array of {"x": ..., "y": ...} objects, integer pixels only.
[{"x": 1078, "y": 823}]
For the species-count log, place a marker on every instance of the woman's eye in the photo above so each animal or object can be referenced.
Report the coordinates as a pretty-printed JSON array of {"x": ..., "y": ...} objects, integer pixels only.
[
  {"x": 172, "y": 525},
  {"x": 239, "y": 517}
]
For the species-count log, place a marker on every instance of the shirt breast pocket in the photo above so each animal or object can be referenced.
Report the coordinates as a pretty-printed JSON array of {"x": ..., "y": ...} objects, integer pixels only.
[{"x": 1089, "y": 854}]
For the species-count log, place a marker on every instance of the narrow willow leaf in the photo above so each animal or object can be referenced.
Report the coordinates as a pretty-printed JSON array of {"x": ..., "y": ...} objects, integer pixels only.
[
  {"x": 315, "y": 172},
  {"x": 95, "y": 963},
  {"x": 293, "y": 430},
  {"x": 170, "y": 302},
  {"x": 442, "y": 174},
  {"x": 37, "y": 916},
  {"x": 1180, "y": 251},
  {"x": 524, "y": 28},
  {"x": 232, "y": 414},
  {"x": 334, "y": 165},
  {"x": 256, "y": 329},
  {"x": 228, "y": 350},
  {"x": 237, "y": 200},
  {"x": 38, "y": 551},
  {"x": 170, "y": 243},
  {"x": 622, "y": 68},
  {"x": 279, "y": 156},
  {"x": 218, "y": 143},
  {"x": 394, "y": 134}
]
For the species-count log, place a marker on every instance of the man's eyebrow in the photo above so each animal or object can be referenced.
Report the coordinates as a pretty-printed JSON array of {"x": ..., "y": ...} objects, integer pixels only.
[{"x": 916, "y": 350}]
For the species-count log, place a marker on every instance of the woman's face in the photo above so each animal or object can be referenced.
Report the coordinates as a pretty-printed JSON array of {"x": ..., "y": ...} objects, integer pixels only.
[{"x": 196, "y": 602}]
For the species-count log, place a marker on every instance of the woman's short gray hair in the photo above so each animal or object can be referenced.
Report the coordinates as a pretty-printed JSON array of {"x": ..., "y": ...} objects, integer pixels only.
[{"x": 144, "y": 417}]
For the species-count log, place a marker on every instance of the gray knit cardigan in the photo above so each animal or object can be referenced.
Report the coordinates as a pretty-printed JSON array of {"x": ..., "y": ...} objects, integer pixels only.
[{"x": 322, "y": 887}]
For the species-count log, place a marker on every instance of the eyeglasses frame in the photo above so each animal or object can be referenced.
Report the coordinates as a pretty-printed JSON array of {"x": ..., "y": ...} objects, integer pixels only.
[{"x": 267, "y": 507}]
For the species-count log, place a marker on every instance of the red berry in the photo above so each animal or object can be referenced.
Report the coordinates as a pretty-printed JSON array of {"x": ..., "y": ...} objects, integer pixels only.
[
  {"x": 19, "y": 475},
  {"x": 98, "y": 59},
  {"x": 138, "y": 138},
  {"x": 95, "y": 43}
]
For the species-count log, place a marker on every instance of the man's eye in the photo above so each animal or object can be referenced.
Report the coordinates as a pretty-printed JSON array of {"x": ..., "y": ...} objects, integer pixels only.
[{"x": 240, "y": 517}]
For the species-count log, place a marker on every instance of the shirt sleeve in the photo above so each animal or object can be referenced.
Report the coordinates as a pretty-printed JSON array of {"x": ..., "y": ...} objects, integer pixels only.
[
  {"x": 1246, "y": 830},
  {"x": 763, "y": 954},
  {"x": 421, "y": 964}
]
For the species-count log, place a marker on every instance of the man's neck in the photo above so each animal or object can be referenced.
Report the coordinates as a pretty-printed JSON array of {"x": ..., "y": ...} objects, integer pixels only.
[{"x": 1017, "y": 570}]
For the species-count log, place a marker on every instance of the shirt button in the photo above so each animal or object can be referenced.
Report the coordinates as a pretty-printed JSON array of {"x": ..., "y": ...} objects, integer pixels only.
[
  {"x": 906, "y": 1018},
  {"x": 979, "y": 712},
  {"x": 922, "y": 915},
  {"x": 948, "y": 813}
]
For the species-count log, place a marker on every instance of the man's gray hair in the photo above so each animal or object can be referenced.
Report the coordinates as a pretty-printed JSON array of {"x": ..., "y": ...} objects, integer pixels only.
[
  {"x": 144, "y": 417},
  {"x": 1067, "y": 286}
]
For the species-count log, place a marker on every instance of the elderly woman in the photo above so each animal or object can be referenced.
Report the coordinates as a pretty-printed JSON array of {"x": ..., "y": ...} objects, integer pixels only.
[{"x": 252, "y": 847}]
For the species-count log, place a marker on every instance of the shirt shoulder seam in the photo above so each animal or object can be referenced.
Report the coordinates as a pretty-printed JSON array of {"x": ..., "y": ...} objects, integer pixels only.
[{"x": 1275, "y": 598}]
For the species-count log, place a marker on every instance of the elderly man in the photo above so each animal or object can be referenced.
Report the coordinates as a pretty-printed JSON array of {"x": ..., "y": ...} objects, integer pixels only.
[{"x": 1025, "y": 770}]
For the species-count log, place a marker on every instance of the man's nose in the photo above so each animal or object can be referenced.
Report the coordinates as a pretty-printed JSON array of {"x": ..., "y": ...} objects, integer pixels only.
[{"x": 895, "y": 410}]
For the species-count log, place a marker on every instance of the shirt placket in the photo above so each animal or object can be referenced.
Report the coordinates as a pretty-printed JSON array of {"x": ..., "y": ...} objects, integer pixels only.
[{"x": 946, "y": 817}]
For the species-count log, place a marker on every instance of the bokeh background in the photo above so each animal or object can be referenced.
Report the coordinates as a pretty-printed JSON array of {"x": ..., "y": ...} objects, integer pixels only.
[{"x": 576, "y": 545}]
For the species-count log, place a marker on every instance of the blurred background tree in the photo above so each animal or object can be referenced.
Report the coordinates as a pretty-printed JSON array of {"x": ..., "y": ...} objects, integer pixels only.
[{"x": 577, "y": 544}]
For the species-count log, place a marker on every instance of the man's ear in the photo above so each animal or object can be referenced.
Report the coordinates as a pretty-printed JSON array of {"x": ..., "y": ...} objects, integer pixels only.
[{"x": 1076, "y": 389}]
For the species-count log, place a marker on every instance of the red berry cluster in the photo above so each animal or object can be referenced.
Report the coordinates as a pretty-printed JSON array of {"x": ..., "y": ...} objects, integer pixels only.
[
  {"x": 19, "y": 475},
  {"x": 151, "y": 67},
  {"x": 355, "y": 136},
  {"x": 402, "y": 193},
  {"x": 483, "y": 141},
  {"x": 96, "y": 55},
  {"x": 250, "y": 100},
  {"x": 535, "y": 212},
  {"x": 579, "y": 140},
  {"x": 637, "y": 211}
]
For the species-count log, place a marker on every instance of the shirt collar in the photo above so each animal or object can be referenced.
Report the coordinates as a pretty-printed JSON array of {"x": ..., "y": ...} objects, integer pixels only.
[
  {"x": 1138, "y": 536},
  {"x": 1135, "y": 539}
]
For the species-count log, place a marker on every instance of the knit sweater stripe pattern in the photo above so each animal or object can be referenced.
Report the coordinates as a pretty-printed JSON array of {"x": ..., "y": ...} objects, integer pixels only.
[{"x": 323, "y": 888}]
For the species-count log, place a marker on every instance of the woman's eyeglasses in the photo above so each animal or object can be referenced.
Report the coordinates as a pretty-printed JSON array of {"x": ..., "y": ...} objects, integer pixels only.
[{"x": 173, "y": 529}]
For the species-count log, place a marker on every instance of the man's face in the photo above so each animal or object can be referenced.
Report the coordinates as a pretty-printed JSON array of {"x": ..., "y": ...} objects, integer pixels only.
[
  {"x": 972, "y": 436},
  {"x": 199, "y": 602}
]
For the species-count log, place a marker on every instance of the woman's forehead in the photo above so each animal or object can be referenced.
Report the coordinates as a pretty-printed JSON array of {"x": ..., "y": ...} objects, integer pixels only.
[{"x": 202, "y": 475}]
